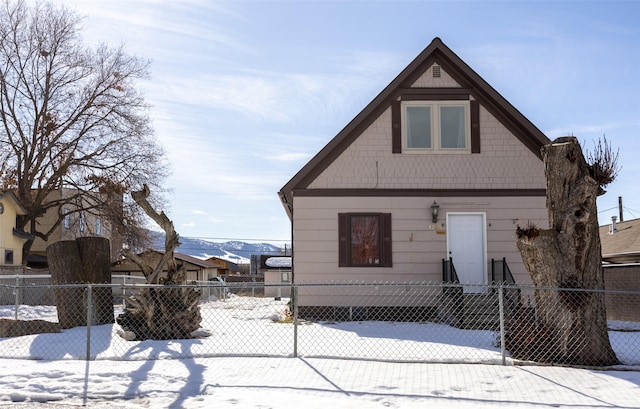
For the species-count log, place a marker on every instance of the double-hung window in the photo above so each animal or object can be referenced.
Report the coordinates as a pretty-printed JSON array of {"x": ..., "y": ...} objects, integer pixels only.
[
  {"x": 365, "y": 239},
  {"x": 436, "y": 126}
]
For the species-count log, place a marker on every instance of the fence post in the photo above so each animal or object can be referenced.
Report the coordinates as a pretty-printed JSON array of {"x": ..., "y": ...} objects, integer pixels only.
[
  {"x": 16, "y": 292},
  {"x": 503, "y": 349},
  {"x": 294, "y": 305},
  {"x": 89, "y": 314}
]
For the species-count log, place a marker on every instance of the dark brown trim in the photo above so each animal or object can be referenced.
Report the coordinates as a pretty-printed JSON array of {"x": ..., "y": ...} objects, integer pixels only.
[
  {"x": 343, "y": 242},
  {"x": 387, "y": 253},
  {"x": 434, "y": 97},
  {"x": 436, "y": 91},
  {"x": 435, "y": 94},
  {"x": 344, "y": 239},
  {"x": 475, "y": 126},
  {"x": 419, "y": 192},
  {"x": 396, "y": 127}
]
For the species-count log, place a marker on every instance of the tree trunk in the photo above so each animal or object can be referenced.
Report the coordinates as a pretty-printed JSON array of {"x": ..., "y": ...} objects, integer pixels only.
[
  {"x": 571, "y": 321},
  {"x": 85, "y": 260},
  {"x": 167, "y": 312}
]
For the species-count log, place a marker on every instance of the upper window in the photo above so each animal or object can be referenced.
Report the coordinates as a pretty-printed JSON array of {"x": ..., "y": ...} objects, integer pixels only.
[
  {"x": 365, "y": 239},
  {"x": 436, "y": 126}
]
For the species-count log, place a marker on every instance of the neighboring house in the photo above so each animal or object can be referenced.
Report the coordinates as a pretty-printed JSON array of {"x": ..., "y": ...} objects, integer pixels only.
[
  {"x": 620, "y": 243},
  {"x": 11, "y": 239},
  {"x": 197, "y": 269},
  {"x": 74, "y": 224},
  {"x": 277, "y": 274},
  {"x": 225, "y": 267},
  {"x": 439, "y": 165}
]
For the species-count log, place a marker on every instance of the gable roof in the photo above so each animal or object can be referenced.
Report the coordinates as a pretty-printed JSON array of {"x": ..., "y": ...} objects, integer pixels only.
[
  {"x": 224, "y": 264},
  {"x": 436, "y": 52},
  {"x": 20, "y": 210},
  {"x": 622, "y": 246}
]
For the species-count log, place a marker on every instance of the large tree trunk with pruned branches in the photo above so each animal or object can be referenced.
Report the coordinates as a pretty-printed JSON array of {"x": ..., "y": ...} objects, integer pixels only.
[
  {"x": 571, "y": 325},
  {"x": 85, "y": 260},
  {"x": 170, "y": 311}
]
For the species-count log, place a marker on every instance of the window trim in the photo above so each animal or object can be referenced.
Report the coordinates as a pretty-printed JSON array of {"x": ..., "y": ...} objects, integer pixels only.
[
  {"x": 384, "y": 237},
  {"x": 436, "y": 136},
  {"x": 8, "y": 256}
]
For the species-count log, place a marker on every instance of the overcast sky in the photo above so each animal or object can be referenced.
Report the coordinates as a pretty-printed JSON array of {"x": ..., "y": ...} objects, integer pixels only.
[{"x": 245, "y": 93}]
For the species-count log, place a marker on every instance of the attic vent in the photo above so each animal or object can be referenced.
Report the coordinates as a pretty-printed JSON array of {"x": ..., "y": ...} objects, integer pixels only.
[{"x": 436, "y": 71}]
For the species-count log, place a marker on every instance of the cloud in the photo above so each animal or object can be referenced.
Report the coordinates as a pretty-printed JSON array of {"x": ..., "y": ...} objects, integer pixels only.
[
  {"x": 150, "y": 20},
  {"x": 600, "y": 129},
  {"x": 289, "y": 157}
]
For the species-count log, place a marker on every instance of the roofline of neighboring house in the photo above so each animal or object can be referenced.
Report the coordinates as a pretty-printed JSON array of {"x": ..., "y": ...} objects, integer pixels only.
[
  {"x": 436, "y": 52},
  {"x": 232, "y": 266},
  {"x": 608, "y": 265},
  {"x": 7, "y": 193},
  {"x": 185, "y": 257},
  {"x": 625, "y": 254},
  {"x": 621, "y": 258}
]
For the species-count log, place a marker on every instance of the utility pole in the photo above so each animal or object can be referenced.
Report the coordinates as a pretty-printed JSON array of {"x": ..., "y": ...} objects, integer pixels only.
[{"x": 620, "y": 208}]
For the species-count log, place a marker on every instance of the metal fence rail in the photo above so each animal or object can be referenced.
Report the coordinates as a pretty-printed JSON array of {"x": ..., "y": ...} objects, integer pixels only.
[{"x": 400, "y": 322}]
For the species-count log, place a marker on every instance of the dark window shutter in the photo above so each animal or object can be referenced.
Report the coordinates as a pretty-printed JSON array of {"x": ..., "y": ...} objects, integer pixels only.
[
  {"x": 343, "y": 254},
  {"x": 396, "y": 128},
  {"x": 386, "y": 240},
  {"x": 475, "y": 126}
]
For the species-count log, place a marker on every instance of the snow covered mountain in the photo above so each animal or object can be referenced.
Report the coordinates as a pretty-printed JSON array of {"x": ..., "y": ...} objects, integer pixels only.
[{"x": 238, "y": 252}]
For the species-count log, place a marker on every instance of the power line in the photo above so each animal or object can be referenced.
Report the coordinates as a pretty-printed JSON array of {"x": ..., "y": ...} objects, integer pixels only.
[{"x": 235, "y": 239}]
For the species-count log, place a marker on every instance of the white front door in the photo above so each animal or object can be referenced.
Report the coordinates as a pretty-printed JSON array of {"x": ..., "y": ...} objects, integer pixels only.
[{"x": 466, "y": 245}]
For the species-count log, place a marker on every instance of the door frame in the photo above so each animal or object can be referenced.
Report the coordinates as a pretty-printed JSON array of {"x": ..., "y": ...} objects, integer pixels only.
[{"x": 485, "y": 278}]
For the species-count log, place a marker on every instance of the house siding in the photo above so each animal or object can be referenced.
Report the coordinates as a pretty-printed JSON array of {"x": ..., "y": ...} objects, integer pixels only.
[
  {"x": 8, "y": 240},
  {"x": 364, "y": 170},
  {"x": 50, "y": 217},
  {"x": 417, "y": 248},
  {"x": 368, "y": 163}
]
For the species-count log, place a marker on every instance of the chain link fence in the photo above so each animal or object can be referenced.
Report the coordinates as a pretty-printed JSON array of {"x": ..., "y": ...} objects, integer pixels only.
[{"x": 398, "y": 322}]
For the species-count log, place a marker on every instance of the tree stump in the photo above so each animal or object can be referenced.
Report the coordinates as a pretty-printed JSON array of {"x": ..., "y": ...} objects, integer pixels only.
[
  {"x": 572, "y": 320},
  {"x": 167, "y": 312},
  {"x": 86, "y": 260}
]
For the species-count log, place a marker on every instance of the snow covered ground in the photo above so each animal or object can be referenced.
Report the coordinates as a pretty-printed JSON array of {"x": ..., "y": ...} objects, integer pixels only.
[{"x": 224, "y": 370}]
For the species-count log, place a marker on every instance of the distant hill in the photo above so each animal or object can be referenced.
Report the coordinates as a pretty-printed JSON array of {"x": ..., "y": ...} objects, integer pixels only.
[{"x": 238, "y": 252}]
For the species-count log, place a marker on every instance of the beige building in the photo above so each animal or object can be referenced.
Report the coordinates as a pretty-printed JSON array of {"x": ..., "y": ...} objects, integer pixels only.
[
  {"x": 438, "y": 169},
  {"x": 74, "y": 224},
  {"x": 11, "y": 239}
]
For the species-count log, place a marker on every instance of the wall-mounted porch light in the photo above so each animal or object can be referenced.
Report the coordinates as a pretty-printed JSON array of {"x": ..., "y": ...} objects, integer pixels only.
[{"x": 434, "y": 212}]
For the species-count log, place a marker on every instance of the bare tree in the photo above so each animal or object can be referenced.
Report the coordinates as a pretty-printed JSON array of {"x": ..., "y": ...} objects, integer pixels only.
[
  {"x": 568, "y": 256},
  {"x": 71, "y": 117}
]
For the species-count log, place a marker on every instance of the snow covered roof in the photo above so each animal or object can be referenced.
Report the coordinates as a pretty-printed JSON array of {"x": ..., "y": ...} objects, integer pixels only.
[{"x": 278, "y": 262}]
